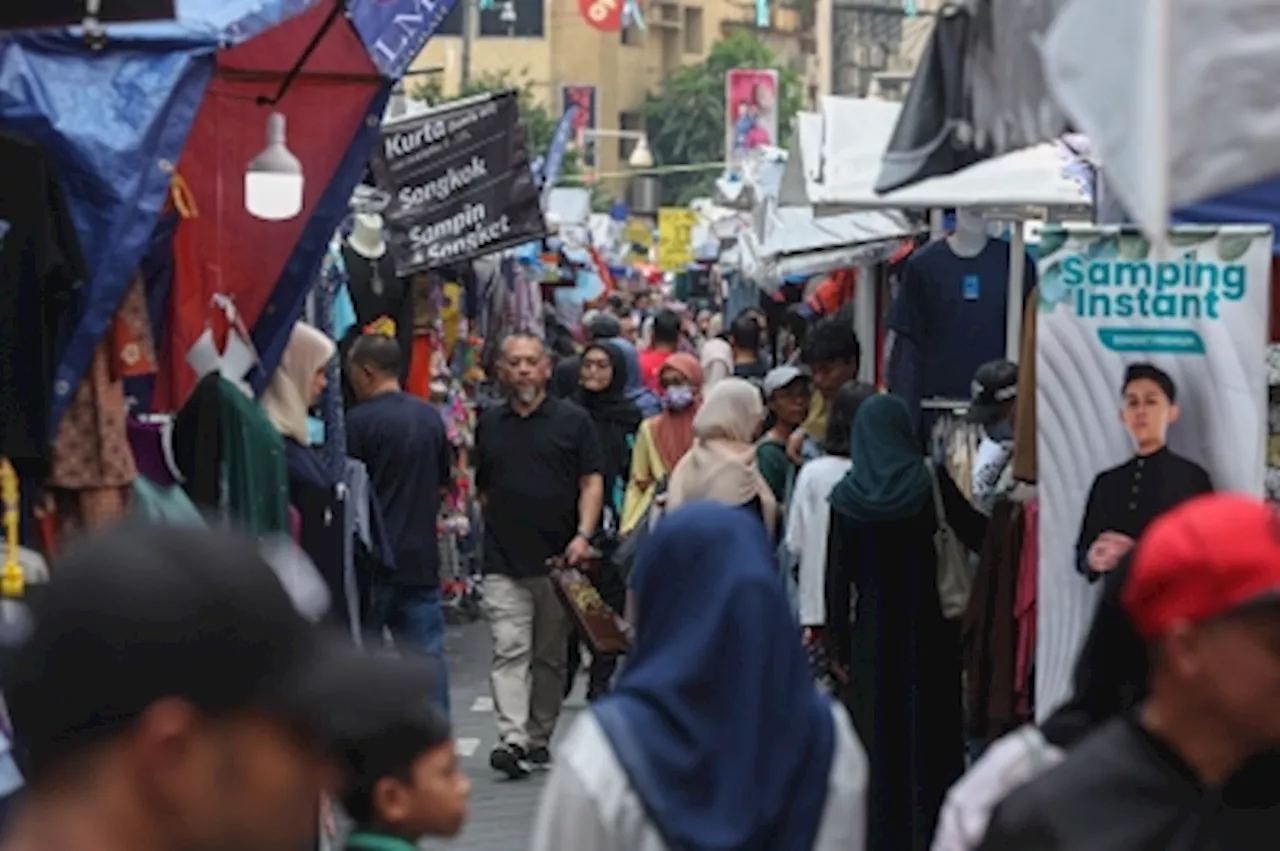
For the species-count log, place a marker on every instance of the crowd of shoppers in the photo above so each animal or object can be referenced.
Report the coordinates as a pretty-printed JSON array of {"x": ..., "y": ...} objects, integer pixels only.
[{"x": 172, "y": 688}]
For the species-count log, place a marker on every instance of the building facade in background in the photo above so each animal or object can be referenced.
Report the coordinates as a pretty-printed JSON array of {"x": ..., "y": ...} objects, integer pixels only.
[
  {"x": 876, "y": 45},
  {"x": 550, "y": 45}
]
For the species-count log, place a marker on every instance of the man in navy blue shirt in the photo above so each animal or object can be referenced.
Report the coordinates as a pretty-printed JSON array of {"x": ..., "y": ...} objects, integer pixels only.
[{"x": 403, "y": 442}]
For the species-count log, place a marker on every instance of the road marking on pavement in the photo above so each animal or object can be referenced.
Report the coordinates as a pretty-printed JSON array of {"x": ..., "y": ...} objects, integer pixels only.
[
  {"x": 482, "y": 704},
  {"x": 467, "y": 747}
]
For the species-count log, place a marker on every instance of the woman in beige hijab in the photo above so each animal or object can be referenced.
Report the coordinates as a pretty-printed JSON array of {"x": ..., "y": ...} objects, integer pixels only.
[
  {"x": 298, "y": 382},
  {"x": 717, "y": 361},
  {"x": 721, "y": 466}
]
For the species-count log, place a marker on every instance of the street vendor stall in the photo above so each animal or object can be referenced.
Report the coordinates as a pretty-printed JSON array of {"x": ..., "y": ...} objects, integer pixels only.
[
  {"x": 840, "y": 154},
  {"x": 120, "y": 115}
]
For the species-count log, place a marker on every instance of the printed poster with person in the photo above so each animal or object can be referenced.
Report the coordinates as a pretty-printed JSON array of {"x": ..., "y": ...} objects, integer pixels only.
[
  {"x": 1151, "y": 389},
  {"x": 751, "y": 98}
]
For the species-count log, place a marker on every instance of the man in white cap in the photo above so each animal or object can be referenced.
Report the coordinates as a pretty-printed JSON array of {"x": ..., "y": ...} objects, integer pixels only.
[{"x": 787, "y": 391}]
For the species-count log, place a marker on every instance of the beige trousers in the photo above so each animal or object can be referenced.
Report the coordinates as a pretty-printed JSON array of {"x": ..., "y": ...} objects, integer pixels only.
[{"x": 530, "y": 645}]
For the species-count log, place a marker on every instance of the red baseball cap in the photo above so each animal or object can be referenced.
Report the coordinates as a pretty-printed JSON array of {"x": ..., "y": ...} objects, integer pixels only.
[{"x": 1203, "y": 559}]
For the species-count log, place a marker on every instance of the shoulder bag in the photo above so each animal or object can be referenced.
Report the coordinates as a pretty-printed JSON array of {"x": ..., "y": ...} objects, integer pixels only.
[{"x": 955, "y": 582}]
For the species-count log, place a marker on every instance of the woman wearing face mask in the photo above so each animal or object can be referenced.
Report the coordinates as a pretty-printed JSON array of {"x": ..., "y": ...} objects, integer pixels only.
[{"x": 663, "y": 440}]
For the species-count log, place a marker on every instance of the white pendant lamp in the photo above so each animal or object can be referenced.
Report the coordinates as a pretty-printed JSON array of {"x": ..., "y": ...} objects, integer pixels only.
[{"x": 273, "y": 182}]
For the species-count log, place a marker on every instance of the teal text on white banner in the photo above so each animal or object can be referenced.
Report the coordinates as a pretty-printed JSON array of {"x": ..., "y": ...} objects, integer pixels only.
[{"x": 1168, "y": 341}]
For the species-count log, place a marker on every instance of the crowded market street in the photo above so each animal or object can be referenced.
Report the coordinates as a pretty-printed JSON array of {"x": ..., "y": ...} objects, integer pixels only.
[{"x": 639, "y": 425}]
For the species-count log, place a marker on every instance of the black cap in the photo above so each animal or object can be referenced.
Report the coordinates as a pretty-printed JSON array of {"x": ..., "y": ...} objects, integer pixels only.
[
  {"x": 1150, "y": 372},
  {"x": 994, "y": 387},
  {"x": 145, "y": 612}
]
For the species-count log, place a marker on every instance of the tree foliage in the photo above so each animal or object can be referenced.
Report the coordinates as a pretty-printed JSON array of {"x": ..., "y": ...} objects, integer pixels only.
[
  {"x": 538, "y": 122},
  {"x": 685, "y": 119}
]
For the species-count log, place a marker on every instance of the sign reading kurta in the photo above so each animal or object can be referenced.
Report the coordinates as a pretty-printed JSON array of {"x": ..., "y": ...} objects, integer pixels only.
[
  {"x": 1151, "y": 389},
  {"x": 459, "y": 182}
]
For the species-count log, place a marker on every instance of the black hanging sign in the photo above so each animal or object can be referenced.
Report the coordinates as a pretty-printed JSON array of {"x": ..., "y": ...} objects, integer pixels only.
[
  {"x": 37, "y": 14},
  {"x": 459, "y": 182}
]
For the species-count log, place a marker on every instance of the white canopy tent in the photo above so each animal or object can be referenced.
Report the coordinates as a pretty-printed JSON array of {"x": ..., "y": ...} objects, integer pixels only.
[
  {"x": 841, "y": 149},
  {"x": 796, "y": 242},
  {"x": 840, "y": 152}
]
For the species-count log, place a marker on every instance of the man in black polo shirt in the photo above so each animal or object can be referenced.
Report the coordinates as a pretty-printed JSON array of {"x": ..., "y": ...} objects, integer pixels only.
[{"x": 538, "y": 474}]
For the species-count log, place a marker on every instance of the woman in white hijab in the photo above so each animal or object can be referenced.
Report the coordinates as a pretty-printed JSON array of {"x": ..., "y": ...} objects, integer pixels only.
[{"x": 721, "y": 466}]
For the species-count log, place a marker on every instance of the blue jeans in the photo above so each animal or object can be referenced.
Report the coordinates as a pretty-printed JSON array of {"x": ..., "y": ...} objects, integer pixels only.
[{"x": 416, "y": 621}]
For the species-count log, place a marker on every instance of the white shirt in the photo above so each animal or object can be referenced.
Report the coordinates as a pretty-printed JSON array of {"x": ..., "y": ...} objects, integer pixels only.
[
  {"x": 808, "y": 521},
  {"x": 992, "y": 472},
  {"x": 1018, "y": 758},
  {"x": 589, "y": 805}
]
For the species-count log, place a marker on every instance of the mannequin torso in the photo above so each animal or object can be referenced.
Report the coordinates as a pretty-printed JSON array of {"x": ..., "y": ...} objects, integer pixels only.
[{"x": 375, "y": 290}]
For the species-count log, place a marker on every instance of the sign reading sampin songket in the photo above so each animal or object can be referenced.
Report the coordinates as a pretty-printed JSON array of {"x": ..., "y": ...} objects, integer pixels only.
[
  {"x": 1151, "y": 389},
  {"x": 459, "y": 182}
]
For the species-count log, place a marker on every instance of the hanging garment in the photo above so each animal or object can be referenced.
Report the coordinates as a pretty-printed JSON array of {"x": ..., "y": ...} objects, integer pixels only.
[
  {"x": 320, "y": 499},
  {"x": 146, "y": 441},
  {"x": 232, "y": 457},
  {"x": 426, "y": 308},
  {"x": 1024, "y": 609},
  {"x": 990, "y": 636},
  {"x": 40, "y": 266},
  {"x": 333, "y": 436},
  {"x": 156, "y": 270},
  {"x": 168, "y": 505},
  {"x": 376, "y": 292},
  {"x": 93, "y": 463},
  {"x": 933, "y": 135},
  {"x": 1024, "y": 442},
  {"x": 952, "y": 310},
  {"x": 419, "y": 381},
  {"x": 962, "y": 455}
]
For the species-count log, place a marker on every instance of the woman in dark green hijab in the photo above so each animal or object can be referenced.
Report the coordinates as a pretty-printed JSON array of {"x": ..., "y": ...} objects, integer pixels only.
[
  {"x": 888, "y": 480},
  {"x": 885, "y": 623}
]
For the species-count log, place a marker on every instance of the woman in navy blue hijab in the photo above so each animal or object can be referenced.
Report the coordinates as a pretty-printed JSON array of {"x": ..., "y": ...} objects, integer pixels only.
[{"x": 715, "y": 737}]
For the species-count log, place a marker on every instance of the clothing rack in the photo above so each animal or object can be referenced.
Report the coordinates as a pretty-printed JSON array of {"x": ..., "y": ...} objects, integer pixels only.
[{"x": 954, "y": 406}]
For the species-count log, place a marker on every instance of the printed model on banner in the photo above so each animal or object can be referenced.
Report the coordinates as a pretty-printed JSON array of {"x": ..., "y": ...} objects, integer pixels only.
[{"x": 1151, "y": 388}]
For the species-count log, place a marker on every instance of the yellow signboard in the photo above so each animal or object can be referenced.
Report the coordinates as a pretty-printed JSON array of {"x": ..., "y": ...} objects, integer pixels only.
[{"x": 675, "y": 238}]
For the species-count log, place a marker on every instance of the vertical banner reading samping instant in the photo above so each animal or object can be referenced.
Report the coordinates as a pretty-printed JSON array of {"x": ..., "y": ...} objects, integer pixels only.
[
  {"x": 584, "y": 98},
  {"x": 459, "y": 182},
  {"x": 1151, "y": 389}
]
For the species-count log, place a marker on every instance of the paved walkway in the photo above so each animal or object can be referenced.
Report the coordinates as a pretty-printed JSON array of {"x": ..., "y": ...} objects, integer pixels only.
[{"x": 502, "y": 810}]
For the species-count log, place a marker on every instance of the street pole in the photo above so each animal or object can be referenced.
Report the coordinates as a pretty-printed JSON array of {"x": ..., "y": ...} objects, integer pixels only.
[{"x": 468, "y": 34}]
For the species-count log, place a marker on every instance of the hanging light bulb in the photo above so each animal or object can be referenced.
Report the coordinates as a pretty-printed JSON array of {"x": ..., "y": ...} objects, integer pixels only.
[{"x": 273, "y": 182}]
